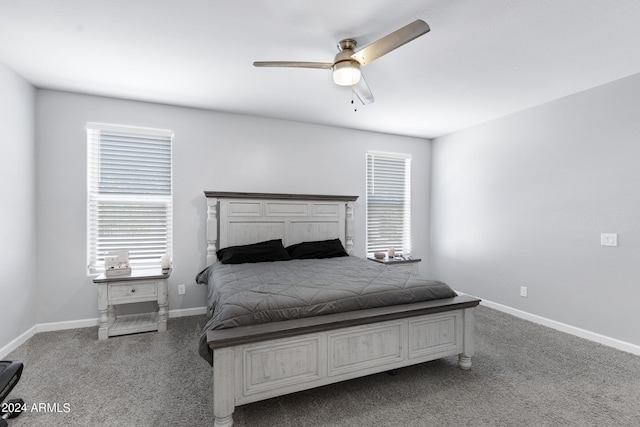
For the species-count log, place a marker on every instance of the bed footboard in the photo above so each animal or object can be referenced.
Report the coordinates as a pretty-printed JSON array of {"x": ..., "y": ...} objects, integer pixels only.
[{"x": 251, "y": 370}]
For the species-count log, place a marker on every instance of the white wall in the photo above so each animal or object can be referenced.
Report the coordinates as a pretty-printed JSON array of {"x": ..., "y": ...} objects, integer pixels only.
[
  {"x": 18, "y": 213},
  {"x": 212, "y": 151},
  {"x": 522, "y": 200}
]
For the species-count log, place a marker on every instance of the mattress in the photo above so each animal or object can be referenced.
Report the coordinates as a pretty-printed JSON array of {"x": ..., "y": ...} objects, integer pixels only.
[{"x": 254, "y": 293}]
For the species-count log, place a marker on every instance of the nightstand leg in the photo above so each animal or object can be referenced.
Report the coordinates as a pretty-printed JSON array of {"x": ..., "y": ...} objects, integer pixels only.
[
  {"x": 103, "y": 329},
  {"x": 163, "y": 305},
  {"x": 103, "y": 308},
  {"x": 162, "y": 317}
]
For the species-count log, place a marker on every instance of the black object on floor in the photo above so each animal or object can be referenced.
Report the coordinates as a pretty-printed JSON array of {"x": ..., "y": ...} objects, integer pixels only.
[{"x": 10, "y": 372}]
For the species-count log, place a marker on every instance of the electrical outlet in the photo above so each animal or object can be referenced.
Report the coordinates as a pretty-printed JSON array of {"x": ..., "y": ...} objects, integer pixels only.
[
  {"x": 523, "y": 291},
  {"x": 608, "y": 239},
  {"x": 181, "y": 289}
]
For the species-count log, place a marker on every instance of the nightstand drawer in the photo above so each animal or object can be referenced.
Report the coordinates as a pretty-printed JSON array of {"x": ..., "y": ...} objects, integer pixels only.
[
  {"x": 408, "y": 265},
  {"x": 128, "y": 291},
  {"x": 409, "y": 268}
]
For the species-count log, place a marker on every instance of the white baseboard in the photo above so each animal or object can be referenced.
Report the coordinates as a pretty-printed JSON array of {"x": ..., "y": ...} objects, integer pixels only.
[
  {"x": 184, "y": 312},
  {"x": 21, "y": 339},
  {"x": 67, "y": 324},
  {"x": 83, "y": 323},
  {"x": 563, "y": 327}
]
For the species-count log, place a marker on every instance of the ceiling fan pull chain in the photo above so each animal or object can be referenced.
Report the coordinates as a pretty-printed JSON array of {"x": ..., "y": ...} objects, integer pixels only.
[{"x": 355, "y": 109}]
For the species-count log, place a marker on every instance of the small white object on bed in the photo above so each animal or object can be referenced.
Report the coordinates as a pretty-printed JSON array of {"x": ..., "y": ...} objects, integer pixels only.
[{"x": 252, "y": 363}]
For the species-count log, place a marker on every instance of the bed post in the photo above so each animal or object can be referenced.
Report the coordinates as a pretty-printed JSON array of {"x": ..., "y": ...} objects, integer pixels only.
[
  {"x": 349, "y": 228},
  {"x": 212, "y": 229},
  {"x": 468, "y": 343},
  {"x": 223, "y": 386}
]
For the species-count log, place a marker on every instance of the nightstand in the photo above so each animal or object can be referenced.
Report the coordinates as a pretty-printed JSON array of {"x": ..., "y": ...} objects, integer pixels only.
[
  {"x": 139, "y": 286},
  {"x": 410, "y": 265}
]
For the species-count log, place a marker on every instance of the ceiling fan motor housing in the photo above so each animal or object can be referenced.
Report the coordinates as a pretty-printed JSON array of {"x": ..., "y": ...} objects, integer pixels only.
[{"x": 346, "y": 70}]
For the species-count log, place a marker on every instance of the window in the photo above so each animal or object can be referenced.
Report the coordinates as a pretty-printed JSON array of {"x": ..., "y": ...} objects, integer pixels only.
[
  {"x": 129, "y": 203},
  {"x": 388, "y": 202}
]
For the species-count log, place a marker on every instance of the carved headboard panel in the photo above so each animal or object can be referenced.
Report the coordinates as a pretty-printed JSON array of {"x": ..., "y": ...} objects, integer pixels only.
[{"x": 244, "y": 218}]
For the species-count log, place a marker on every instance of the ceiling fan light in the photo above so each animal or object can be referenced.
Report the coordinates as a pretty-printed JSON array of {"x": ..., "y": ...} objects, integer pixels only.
[{"x": 346, "y": 73}]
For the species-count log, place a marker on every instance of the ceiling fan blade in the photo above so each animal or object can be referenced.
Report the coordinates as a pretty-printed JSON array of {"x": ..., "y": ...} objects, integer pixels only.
[
  {"x": 362, "y": 91},
  {"x": 293, "y": 64},
  {"x": 391, "y": 41}
]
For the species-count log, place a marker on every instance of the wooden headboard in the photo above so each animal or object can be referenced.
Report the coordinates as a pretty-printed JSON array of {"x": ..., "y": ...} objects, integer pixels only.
[{"x": 244, "y": 218}]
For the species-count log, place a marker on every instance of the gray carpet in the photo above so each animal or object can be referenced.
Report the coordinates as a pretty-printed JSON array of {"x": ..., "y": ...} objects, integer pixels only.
[{"x": 523, "y": 375}]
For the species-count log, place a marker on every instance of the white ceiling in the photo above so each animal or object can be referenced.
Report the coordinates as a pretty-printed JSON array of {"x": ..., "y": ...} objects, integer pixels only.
[{"x": 481, "y": 60}]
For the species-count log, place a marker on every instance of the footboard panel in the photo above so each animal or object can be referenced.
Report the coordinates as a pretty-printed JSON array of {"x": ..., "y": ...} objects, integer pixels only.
[
  {"x": 274, "y": 368},
  {"x": 279, "y": 366},
  {"x": 436, "y": 336},
  {"x": 362, "y": 349}
]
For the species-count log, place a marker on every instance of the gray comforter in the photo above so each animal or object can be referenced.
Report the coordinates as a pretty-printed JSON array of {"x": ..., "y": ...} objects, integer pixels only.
[{"x": 248, "y": 294}]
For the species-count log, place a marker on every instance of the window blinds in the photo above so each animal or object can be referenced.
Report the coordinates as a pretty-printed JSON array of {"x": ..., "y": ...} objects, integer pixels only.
[
  {"x": 129, "y": 194},
  {"x": 388, "y": 202}
]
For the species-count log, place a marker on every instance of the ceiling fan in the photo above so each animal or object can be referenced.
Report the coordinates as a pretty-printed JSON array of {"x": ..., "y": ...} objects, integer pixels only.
[{"x": 346, "y": 64}]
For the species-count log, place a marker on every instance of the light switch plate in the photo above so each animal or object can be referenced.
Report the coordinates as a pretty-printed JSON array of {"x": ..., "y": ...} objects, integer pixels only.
[{"x": 609, "y": 239}]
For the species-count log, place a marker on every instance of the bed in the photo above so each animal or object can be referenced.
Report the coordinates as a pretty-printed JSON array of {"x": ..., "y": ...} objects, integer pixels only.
[{"x": 280, "y": 355}]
